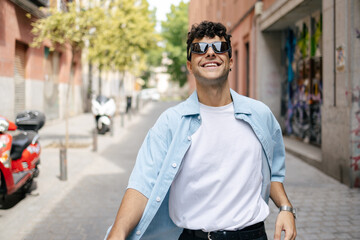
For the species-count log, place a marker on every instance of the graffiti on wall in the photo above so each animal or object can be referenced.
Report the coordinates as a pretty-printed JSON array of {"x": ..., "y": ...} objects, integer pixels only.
[
  {"x": 355, "y": 135},
  {"x": 302, "y": 89},
  {"x": 340, "y": 58}
]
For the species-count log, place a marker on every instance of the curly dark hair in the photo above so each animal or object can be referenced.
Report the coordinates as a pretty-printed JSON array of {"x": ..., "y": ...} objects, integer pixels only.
[{"x": 206, "y": 29}]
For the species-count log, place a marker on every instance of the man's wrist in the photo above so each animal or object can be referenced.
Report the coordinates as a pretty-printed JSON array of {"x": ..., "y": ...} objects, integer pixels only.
[{"x": 288, "y": 209}]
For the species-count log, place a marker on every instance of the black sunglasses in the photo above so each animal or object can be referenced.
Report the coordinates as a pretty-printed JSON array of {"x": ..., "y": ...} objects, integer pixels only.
[{"x": 202, "y": 47}]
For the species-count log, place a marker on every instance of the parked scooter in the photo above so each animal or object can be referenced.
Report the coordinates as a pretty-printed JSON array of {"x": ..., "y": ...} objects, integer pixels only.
[
  {"x": 20, "y": 154},
  {"x": 103, "y": 109}
]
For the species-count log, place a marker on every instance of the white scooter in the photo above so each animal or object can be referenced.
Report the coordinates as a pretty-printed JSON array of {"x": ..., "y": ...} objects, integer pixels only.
[{"x": 103, "y": 109}]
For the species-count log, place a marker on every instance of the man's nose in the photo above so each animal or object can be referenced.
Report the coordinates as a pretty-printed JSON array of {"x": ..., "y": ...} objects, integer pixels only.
[{"x": 210, "y": 51}]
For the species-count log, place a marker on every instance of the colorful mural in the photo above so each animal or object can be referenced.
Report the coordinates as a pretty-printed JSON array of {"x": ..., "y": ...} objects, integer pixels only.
[{"x": 304, "y": 81}]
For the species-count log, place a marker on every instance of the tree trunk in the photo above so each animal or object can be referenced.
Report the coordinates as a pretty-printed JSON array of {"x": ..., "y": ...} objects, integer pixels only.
[{"x": 100, "y": 81}]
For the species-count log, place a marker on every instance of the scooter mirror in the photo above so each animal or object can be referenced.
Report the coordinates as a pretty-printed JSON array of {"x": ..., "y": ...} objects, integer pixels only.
[
  {"x": 12, "y": 126},
  {"x": 4, "y": 125}
]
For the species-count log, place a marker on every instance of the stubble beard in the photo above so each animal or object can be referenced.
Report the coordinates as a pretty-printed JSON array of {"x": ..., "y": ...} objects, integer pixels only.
[{"x": 215, "y": 82}]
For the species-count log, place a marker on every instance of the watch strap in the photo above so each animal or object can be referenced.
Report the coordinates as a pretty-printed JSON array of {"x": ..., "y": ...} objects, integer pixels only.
[{"x": 289, "y": 209}]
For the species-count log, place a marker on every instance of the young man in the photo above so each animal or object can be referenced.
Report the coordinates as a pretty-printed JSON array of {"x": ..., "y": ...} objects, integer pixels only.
[{"x": 208, "y": 166}]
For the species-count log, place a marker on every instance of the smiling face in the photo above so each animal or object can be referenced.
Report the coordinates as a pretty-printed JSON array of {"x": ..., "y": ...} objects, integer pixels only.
[{"x": 211, "y": 68}]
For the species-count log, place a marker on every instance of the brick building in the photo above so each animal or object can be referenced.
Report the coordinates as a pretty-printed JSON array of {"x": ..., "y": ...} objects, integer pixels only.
[
  {"x": 299, "y": 57},
  {"x": 33, "y": 78}
]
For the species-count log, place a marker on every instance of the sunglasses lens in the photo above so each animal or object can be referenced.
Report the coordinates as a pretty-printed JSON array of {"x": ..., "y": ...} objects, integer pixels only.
[
  {"x": 199, "y": 48},
  {"x": 220, "y": 47}
]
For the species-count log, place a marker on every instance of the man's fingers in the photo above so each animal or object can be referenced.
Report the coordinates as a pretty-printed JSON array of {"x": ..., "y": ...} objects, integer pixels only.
[
  {"x": 290, "y": 234},
  {"x": 278, "y": 229}
]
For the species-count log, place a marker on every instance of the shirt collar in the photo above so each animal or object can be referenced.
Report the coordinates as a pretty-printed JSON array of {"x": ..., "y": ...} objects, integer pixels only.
[{"x": 192, "y": 107}]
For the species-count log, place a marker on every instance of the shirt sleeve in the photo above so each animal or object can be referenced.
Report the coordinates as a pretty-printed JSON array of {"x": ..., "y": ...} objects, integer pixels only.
[
  {"x": 278, "y": 161},
  {"x": 148, "y": 163}
]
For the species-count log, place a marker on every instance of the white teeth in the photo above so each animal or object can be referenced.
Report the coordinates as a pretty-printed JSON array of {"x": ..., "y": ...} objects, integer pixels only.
[{"x": 210, "y": 65}]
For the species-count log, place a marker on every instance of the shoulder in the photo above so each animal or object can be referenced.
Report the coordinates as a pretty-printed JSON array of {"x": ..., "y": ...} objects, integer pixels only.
[
  {"x": 171, "y": 114},
  {"x": 258, "y": 111},
  {"x": 249, "y": 105}
]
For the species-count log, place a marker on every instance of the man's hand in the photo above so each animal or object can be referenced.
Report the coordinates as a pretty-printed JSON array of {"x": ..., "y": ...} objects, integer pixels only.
[{"x": 285, "y": 222}]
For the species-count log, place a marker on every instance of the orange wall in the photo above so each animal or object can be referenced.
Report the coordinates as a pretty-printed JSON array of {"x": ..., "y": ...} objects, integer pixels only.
[
  {"x": 240, "y": 36},
  {"x": 228, "y": 12},
  {"x": 15, "y": 26}
]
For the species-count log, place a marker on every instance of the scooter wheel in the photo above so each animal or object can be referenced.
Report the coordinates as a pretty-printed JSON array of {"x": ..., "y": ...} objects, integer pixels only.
[{"x": 27, "y": 186}]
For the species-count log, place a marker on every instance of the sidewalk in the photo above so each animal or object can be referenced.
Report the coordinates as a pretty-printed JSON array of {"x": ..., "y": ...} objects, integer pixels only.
[
  {"x": 302, "y": 150},
  {"x": 49, "y": 192},
  {"x": 326, "y": 209},
  {"x": 80, "y": 131}
]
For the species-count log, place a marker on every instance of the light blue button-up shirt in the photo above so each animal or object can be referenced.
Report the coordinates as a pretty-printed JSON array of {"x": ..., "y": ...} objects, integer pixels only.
[{"x": 168, "y": 140}]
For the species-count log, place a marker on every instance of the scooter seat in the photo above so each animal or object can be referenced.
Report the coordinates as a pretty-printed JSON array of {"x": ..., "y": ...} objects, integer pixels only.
[{"x": 20, "y": 143}]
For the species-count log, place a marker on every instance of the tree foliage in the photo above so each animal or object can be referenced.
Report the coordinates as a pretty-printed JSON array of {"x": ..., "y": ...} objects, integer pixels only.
[
  {"x": 125, "y": 36},
  {"x": 118, "y": 32},
  {"x": 67, "y": 28},
  {"x": 174, "y": 31}
]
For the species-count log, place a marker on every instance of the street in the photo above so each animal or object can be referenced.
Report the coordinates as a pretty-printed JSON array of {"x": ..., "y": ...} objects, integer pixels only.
[{"x": 86, "y": 204}]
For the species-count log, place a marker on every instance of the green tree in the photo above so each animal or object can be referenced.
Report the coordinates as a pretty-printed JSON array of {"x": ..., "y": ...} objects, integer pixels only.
[
  {"x": 174, "y": 31},
  {"x": 125, "y": 37},
  {"x": 153, "y": 56},
  {"x": 68, "y": 29},
  {"x": 117, "y": 34}
]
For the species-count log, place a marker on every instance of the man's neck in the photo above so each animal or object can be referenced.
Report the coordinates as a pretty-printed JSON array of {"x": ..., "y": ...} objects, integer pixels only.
[{"x": 214, "y": 96}]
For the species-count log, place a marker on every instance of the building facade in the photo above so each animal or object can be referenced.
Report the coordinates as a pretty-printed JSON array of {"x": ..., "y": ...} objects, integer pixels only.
[
  {"x": 34, "y": 78},
  {"x": 301, "y": 58}
]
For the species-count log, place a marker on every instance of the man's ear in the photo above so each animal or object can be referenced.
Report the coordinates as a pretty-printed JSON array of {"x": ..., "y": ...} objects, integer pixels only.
[
  {"x": 189, "y": 67},
  {"x": 231, "y": 63}
]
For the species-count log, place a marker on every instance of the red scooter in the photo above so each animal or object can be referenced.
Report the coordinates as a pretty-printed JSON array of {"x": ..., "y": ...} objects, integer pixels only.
[{"x": 20, "y": 153}]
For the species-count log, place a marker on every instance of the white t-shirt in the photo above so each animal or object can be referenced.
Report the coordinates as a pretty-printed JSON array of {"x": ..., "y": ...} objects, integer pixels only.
[{"x": 218, "y": 186}]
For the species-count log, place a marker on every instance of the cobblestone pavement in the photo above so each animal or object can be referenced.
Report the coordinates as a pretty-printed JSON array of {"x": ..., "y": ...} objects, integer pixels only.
[
  {"x": 326, "y": 208},
  {"x": 84, "y": 206}
]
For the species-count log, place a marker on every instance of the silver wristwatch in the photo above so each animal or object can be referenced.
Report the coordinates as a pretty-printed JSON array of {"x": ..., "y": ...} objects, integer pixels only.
[{"x": 289, "y": 209}]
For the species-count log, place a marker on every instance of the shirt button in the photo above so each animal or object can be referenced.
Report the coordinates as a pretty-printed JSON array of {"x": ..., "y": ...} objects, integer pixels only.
[
  {"x": 199, "y": 117},
  {"x": 174, "y": 165},
  {"x": 138, "y": 233},
  {"x": 189, "y": 138},
  {"x": 158, "y": 199}
]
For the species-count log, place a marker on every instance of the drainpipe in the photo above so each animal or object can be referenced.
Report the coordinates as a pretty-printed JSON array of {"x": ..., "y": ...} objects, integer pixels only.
[{"x": 334, "y": 32}]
